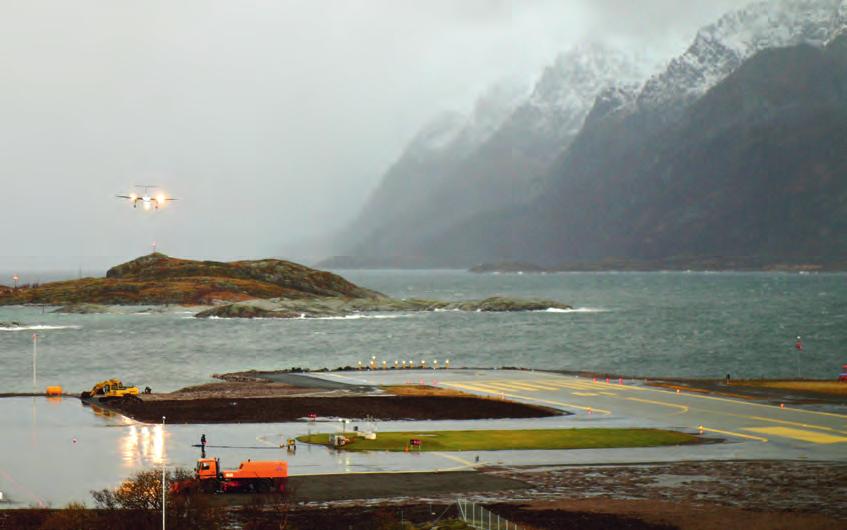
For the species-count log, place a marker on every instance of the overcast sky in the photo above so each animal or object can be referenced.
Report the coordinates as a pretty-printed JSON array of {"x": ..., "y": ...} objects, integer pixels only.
[{"x": 270, "y": 121}]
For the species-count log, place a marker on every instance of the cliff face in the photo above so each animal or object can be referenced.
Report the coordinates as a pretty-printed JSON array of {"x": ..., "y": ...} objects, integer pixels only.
[
  {"x": 159, "y": 279},
  {"x": 446, "y": 178},
  {"x": 754, "y": 168}
]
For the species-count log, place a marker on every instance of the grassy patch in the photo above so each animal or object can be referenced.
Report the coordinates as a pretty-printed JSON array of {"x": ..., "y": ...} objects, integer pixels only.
[
  {"x": 424, "y": 390},
  {"x": 833, "y": 388},
  {"x": 512, "y": 439}
]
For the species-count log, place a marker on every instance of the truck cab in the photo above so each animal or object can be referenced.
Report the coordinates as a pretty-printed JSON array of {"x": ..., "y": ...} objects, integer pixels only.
[{"x": 207, "y": 468}]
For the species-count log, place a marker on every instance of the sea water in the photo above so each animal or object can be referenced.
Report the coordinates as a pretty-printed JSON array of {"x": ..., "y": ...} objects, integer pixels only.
[{"x": 641, "y": 324}]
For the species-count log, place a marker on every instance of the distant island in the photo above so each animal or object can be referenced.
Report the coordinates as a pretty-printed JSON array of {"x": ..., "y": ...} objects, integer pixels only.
[
  {"x": 673, "y": 263},
  {"x": 507, "y": 266},
  {"x": 269, "y": 288},
  {"x": 682, "y": 263}
]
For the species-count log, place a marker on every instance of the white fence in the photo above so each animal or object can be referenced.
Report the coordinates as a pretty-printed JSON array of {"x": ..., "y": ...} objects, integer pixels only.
[{"x": 478, "y": 517}]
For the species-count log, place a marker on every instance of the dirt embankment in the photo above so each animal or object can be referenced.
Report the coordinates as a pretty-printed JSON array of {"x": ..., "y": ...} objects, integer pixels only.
[
  {"x": 280, "y": 409},
  {"x": 603, "y": 514}
]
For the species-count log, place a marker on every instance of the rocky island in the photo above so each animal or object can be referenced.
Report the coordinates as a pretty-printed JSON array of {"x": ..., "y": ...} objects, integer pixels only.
[{"x": 268, "y": 288}]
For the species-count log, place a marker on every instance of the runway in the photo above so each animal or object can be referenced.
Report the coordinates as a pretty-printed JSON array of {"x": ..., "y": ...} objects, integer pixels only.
[
  {"x": 105, "y": 448},
  {"x": 757, "y": 430}
]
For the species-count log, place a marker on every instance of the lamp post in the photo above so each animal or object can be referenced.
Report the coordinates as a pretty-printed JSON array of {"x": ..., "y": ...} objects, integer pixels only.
[
  {"x": 163, "y": 475},
  {"x": 34, "y": 361}
]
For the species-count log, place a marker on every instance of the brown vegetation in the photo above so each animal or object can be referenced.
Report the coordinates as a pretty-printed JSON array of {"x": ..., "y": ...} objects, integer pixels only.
[
  {"x": 159, "y": 279},
  {"x": 424, "y": 390},
  {"x": 232, "y": 389},
  {"x": 831, "y": 388}
]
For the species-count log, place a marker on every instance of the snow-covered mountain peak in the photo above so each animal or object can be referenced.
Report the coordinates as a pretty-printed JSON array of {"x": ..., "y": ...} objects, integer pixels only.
[
  {"x": 566, "y": 90},
  {"x": 577, "y": 76},
  {"x": 719, "y": 48}
]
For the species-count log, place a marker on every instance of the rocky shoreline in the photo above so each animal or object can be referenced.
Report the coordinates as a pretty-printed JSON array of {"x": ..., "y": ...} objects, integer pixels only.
[{"x": 340, "y": 307}]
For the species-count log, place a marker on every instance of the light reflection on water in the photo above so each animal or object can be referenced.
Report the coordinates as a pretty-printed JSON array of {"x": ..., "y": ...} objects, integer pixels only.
[
  {"x": 143, "y": 446},
  {"x": 129, "y": 447}
]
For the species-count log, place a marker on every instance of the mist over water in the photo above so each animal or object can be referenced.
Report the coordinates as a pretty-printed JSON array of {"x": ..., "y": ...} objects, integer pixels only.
[{"x": 647, "y": 324}]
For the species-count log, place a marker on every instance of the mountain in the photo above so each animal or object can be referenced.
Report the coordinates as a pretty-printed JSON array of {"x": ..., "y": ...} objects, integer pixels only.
[
  {"x": 755, "y": 168},
  {"x": 720, "y": 48},
  {"x": 451, "y": 171},
  {"x": 430, "y": 160},
  {"x": 733, "y": 154}
]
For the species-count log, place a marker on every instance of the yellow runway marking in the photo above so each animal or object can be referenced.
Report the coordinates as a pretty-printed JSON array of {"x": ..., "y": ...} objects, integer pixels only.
[
  {"x": 527, "y": 398},
  {"x": 683, "y": 409},
  {"x": 799, "y": 434},
  {"x": 798, "y": 424},
  {"x": 740, "y": 435},
  {"x": 523, "y": 385},
  {"x": 615, "y": 386},
  {"x": 503, "y": 386},
  {"x": 741, "y": 402},
  {"x": 567, "y": 384},
  {"x": 465, "y": 463},
  {"x": 587, "y": 388},
  {"x": 478, "y": 388}
]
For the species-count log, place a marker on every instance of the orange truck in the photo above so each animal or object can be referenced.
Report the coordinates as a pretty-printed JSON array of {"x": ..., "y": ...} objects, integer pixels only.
[{"x": 250, "y": 477}]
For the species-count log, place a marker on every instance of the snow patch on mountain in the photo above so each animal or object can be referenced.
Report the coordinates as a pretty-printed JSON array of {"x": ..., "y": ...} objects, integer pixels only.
[
  {"x": 566, "y": 91},
  {"x": 720, "y": 48}
]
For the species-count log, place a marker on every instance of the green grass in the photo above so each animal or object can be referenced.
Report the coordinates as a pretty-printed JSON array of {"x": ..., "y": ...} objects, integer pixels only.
[{"x": 512, "y": 439}]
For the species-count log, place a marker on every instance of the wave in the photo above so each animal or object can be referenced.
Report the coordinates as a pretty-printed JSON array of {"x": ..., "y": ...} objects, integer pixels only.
[
  {"x": 574, "y": 310},
  {"x": 359, "y": 315},
  {"x": 303, "y": 316},
  {"x": 36, "y": 327}
]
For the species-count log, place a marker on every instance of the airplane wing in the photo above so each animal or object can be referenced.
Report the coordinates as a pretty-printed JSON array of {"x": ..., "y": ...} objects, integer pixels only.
[
  {"x": 123, "y": 196},
  {"x": 169, "y": 199}
]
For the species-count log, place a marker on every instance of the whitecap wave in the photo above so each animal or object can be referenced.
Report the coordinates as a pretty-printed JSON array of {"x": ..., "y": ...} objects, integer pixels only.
[
  {"x": 303, "y": 316},
  {"x": 36, "y": 327},
  {"x": 574, "y": 310},
  {"x": 360, "y": 316}
]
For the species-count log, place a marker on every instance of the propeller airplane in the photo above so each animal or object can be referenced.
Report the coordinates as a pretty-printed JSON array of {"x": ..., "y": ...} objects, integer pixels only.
[{"x": 148, "y": 200}]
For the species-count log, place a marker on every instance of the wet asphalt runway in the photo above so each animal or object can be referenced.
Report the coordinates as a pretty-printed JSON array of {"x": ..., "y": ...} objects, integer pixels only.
[{"x": 752, "y": 429}]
